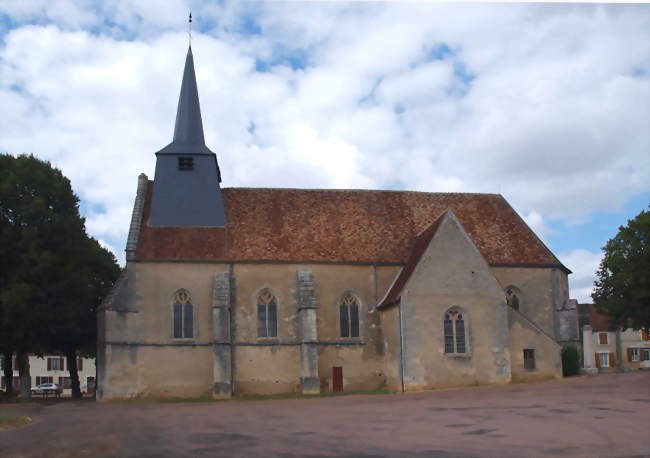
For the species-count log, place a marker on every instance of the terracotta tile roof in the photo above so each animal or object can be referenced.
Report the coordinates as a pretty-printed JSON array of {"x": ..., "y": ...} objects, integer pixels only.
[
  {"x": 343, "y": 226},
  {"x": 420, "y": 245},
  {"x": 598, "y": 321}
]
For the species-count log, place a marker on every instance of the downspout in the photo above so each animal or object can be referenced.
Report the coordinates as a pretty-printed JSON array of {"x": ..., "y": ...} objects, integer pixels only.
[
  {"x": 231, "y": 322},
  {"x": 401, "y": 344}
]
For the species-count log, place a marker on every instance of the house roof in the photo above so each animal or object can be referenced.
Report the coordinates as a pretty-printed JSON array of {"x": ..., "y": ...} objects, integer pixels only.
[
  {"x": 420, "y": 245},
  {"x": 350, "y": 226},
  {"x": 598, "y": 321}
]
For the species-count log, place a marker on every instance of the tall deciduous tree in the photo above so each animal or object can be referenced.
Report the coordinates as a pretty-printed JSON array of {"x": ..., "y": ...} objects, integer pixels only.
[
  {"x": 622, "y": 289},
  {"x": 50, "y": 268}
]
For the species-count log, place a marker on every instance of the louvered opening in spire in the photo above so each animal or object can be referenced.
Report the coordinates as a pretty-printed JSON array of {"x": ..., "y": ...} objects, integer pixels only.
[{"x": 188, "y": 130}]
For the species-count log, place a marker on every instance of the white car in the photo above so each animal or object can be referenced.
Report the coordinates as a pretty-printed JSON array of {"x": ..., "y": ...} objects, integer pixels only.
[{"x": 47, "y": 388}]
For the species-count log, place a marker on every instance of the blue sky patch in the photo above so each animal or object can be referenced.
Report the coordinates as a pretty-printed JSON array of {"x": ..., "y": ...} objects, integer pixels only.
[
  {"x": 296, "y": 58},
  {"x": 595, "y": 233}
]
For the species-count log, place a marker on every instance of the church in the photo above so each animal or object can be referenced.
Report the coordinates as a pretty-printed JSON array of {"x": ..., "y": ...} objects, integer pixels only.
[{"x": 231, "y": 291}]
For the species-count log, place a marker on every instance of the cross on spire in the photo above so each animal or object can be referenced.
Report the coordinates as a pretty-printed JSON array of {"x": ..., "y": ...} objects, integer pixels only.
[{"x": 189, "y": 30}]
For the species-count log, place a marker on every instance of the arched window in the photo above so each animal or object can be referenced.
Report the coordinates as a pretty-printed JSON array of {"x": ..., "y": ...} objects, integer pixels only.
[
  {"x": 454, "y": 332},
  {"x": 349, "y": 316},
  {"x": 183, "y": 315},
  {"x": 513, "y": 297},
  {"x": 267, "y": 314}
]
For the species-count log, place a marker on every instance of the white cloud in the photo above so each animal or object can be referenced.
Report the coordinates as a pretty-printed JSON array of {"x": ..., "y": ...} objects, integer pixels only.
[
  {"x": 584, "y": 264},
  {"x": 536, "y": 222},
  {"x": 546, "y": 104},
  {"x": 104, "y": 244}
]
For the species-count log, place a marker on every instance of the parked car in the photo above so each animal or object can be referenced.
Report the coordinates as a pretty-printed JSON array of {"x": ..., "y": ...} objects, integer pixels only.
[{"x": 47, "y": 388}]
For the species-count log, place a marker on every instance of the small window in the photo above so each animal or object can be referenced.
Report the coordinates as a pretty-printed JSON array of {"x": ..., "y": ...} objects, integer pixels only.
[
  {"x": 185, "y": 163},
  {"x": 645, "y": 355},
  {"x": 349, "y": 316},
  {"x": 513, "y": 297},
  {"x": 633, "y": 354},
  {"x": 55, "y": 364},
  {"x": 267, "y": 314},
  {"x": 603, "y": 359},
  {"x": 183, "y": 311},
  {"x": 454, "y": 330},
  {"x": 65, "y": 383},
  {"x": 602, "y": 338},
  {"x": 41, "y": 379},
  {"x": 529, "y": 359}
]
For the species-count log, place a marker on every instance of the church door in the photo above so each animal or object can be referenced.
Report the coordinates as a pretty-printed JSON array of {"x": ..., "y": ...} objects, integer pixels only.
[{"x": 337, "y": 378}]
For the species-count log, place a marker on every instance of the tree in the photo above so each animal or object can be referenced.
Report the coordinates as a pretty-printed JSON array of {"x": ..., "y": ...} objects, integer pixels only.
[
  {"x": 622, "y": 288},
  {"x": 52, "y": 272},
  {"x": 73, "y": 329},
  {"x": 570, "y": 360}
]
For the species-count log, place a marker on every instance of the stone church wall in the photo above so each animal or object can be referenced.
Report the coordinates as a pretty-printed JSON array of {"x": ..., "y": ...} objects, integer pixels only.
[
  {"x": 390, "y": 323},
  {"x": 361, "y": 359},
  {"x": 542, "y": 289},
  {"x": 525, "y": 335},
  {"x": 141, "y": 357},
  {"x": 452, "y": 276}
]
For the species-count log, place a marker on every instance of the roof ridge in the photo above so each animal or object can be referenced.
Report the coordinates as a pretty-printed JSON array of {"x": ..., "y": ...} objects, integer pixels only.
[{"x": 366, "y": 190}]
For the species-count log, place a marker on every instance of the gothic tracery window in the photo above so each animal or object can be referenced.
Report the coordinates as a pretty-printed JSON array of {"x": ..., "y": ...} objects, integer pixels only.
[
  {"x": 349, "y": 316},
  {"x": 454, "y": 327},
  {"x": 513, "y": 297},
  {"x": 267, "y": 314},
  {"x": 183, "y": 315}
]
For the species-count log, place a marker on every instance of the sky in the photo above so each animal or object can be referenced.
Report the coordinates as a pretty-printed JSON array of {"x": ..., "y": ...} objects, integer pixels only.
[{"x": 546, "y": 104}]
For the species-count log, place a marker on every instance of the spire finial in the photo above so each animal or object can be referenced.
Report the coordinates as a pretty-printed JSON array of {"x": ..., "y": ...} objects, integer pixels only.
[{"x": 190, "y": 28}]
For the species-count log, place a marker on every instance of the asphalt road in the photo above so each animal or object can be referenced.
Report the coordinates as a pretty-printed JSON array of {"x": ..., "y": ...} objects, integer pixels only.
[{"x": 606, "y": 415}]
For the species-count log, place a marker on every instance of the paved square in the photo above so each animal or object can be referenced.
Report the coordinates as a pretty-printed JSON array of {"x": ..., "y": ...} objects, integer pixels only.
[{"x": 606, "y": 415}]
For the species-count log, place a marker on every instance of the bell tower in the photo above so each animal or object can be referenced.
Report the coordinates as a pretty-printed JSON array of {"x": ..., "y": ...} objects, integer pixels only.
[{"x": 186, "y": 190}]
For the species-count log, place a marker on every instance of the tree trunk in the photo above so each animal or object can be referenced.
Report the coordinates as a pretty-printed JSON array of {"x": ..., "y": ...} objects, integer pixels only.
[
  {"x": 22, "y": 361},
  {"x": 8, "y": 373},
  {"x": 71, "y": 355}
]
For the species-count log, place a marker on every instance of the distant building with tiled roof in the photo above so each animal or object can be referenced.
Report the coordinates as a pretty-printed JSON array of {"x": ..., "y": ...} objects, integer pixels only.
[
  {"x": 607, "y": 348},
  {"x": 256, "y": 290}
]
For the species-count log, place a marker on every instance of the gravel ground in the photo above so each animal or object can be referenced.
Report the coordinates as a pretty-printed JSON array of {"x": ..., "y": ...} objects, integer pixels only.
[{"x": 606, "y": 415}]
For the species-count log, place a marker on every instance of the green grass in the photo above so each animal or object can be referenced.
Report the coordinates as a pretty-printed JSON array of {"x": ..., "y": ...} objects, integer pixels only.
[
  {"x": 13, "y": 422},
  {"x": 269, "y": 397}
]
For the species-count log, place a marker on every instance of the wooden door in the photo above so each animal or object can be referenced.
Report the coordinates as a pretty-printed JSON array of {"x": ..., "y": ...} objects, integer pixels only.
[
  {"x": 90, "y": 385},
  {"x": 337, "y": 378}
]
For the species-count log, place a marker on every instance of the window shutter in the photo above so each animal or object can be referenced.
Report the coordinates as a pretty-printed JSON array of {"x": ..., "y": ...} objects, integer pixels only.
[
  {"x": 597, "y": 361},
  {"x": 80, "y": 364},
  {"x": 644, "y": 334},
  {"x": 49, "y": 364},
  {"x": 629, "y": 354},
  {"x": 61, "y": 364},
  {"x": 612, "y": 360}
]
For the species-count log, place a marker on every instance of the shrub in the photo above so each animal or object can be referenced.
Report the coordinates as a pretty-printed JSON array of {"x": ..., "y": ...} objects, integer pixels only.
[{"x": 570, "y": 360}]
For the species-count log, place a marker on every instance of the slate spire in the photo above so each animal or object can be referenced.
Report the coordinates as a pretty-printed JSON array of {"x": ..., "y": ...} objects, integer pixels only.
[
  {"x": 188, "y": 130},
  {"x": 186, "y": 190}
]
